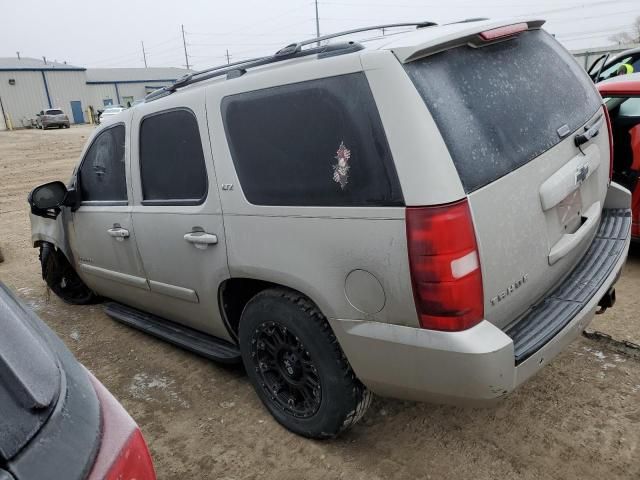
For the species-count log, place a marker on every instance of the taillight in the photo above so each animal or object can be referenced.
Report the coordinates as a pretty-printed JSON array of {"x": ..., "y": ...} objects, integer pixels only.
[
  {"x": 610, "y": 131},
  {"x": 133, "y": 462},
  {"x": 445, "y": 268},
  {"x": 503, "y": 32}
]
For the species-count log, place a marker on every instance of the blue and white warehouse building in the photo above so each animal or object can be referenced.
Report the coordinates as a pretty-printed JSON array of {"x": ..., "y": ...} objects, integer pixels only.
[{"x": 29, "y": 85}]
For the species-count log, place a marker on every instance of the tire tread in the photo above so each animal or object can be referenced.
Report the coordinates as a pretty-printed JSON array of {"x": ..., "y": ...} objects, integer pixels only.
[{"x": 362, "y": 395}]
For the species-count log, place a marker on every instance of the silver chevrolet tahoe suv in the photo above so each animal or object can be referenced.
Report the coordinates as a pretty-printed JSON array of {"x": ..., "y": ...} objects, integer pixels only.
[{"x": 426, "y": 215}]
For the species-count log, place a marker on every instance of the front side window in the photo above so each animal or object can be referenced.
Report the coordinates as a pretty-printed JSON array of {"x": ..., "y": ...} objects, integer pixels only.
[
  {"x": 102, "y": 173},
  {"x": 172, "y": 166},
  {"x": 314, "y": 143}
]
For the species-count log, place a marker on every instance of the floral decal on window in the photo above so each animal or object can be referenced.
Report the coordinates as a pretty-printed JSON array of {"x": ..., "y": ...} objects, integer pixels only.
[{"x": 341, "y": 169}]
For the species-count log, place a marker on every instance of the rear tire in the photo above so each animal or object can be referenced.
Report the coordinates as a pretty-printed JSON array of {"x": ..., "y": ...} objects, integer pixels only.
[
  {"x": 60, "y": 277},
  {"x": 297, "y": 367}
]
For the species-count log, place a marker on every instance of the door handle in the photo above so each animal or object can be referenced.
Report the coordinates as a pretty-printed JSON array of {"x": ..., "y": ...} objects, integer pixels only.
[
  {"x": 201, "y": 240},
  {"x": 118, "y": 233}
]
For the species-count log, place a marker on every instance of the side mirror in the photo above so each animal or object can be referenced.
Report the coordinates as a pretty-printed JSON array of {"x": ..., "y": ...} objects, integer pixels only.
[{"x": 47, "y": 199}]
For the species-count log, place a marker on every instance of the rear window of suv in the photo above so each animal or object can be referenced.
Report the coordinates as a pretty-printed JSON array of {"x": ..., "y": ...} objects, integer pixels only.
[
  {"x": 54, "y": 112},
  {"x": 498, "y": 107}
]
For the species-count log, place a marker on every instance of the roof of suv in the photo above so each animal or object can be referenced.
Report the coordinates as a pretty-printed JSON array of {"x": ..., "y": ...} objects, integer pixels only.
[{"x": 406, "y": 45}]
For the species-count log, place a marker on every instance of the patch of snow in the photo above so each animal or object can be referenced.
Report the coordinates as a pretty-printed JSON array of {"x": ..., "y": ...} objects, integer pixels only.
[
  {"x": 617, "y": 358},
  {"x": 155, "y": 388}
]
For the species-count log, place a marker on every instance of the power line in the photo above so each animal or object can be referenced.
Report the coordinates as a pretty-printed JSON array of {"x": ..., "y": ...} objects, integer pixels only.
[
  {"x": 129, "y": 55},
  {"x": 574, "y": 7},
  {"x": 287, "y": 11},
  {"x": 250, "y": 35},
  {"x": 267, "y": 44},
  {"x": 466, "y": 4},
  {"x": 602, "y": 32}
]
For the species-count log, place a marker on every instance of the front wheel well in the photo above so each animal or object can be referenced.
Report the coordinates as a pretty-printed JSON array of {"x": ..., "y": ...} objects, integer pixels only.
[{"x": 235, "y": 293}]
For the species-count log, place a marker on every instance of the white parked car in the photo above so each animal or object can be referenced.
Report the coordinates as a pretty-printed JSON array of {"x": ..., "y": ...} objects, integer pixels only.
[{"x": 111, "y": 111}]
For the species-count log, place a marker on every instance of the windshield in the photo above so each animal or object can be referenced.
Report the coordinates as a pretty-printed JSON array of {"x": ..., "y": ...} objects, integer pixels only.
[
  {"x": 500, "y": 106},
  {"x": 54, "y": 112},
  {"x": 610, "y": 71}
]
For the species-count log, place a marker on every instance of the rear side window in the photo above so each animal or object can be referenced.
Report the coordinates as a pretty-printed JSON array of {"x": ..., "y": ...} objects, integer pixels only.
[
  {"x": 315, "y": 143},
  {"x": 500, "y": 106},
  {"x": 102, "y": 173},
  {"x": 172, "y": 164}
]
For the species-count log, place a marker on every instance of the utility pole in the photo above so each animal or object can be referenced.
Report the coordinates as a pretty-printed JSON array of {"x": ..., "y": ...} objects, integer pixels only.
[
  {"x": 228, "y": 57},
  {"x": 144, "y": 55},
  {"x": 184, "y": 43},
  {"x": 317, "y": 24}
]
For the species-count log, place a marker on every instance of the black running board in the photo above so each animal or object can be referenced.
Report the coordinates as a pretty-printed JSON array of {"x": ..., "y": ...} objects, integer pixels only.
[{"x": 185, "y": 337}]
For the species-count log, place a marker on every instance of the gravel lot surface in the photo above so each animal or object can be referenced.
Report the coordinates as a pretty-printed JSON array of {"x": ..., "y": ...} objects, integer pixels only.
[{"x": 579, "y": 418}]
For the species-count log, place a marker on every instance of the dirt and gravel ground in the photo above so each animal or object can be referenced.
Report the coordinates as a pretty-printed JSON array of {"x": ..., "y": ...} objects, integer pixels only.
[{"x": 579, "y": 418}]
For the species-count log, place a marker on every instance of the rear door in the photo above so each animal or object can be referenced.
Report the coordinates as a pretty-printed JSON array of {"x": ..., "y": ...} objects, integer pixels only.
[
  {"x": 177, "y": 212},
  {"x": 510, "y": 113}
]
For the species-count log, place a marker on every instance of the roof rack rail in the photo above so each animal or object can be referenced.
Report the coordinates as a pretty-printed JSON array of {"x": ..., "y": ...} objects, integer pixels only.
[
  {"x": 293, "y": 50},
  {"x": 295, "y": 47},
  {"x": 469, "y": 20}
]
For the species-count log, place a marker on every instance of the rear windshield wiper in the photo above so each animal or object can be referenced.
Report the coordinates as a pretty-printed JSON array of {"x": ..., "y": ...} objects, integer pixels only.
[{"x": 590, "y": 132}]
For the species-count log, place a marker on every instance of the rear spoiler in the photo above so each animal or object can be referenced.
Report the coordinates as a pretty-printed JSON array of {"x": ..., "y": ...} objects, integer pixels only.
[{"x": 478, "y": 35}]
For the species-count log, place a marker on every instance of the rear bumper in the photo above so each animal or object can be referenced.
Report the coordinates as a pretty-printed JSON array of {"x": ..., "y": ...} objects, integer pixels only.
[{"x": 479, "y": 365}]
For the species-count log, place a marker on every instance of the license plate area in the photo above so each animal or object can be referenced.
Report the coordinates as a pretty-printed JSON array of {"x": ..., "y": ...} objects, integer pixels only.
[{"x": 569, "y": 212}]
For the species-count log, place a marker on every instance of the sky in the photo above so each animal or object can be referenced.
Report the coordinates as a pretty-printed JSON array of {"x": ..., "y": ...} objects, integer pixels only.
[{"x": 109, "y": 33}]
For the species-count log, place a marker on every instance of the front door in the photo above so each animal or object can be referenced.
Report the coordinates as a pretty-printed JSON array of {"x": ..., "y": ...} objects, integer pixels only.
[
  {"x": 102, "y": 236},
  {"x": 76, "y": 111},
  {"x": 177, "y": 214}
]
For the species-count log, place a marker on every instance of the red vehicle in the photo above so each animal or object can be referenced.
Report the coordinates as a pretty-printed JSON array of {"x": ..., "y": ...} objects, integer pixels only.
[
  {"x": 622, "y": 96},
  {"x": 56, "y": 420}
]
